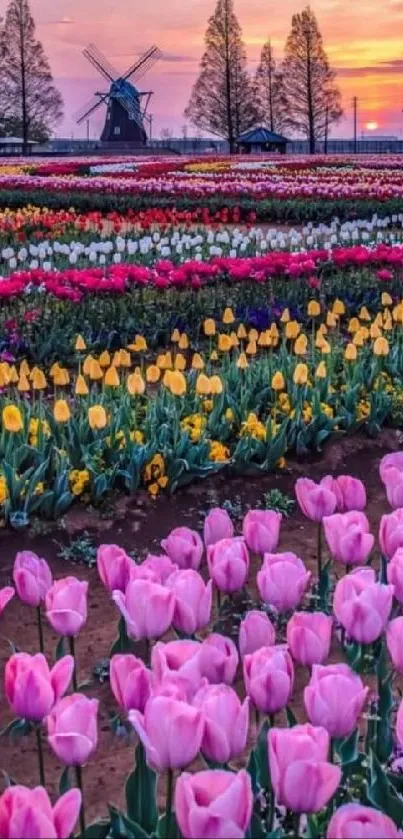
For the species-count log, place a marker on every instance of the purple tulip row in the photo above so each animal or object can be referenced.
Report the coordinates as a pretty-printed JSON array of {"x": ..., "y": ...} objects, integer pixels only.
[{"x": 184, "y": 703}]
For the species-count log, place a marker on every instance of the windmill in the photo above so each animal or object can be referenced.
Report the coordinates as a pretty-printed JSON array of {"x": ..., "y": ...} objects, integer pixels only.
[{"x": 126, "y": 114}]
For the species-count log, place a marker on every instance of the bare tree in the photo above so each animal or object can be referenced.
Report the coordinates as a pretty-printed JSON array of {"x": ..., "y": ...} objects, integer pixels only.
[
  {"x": 312, "y": 96},
  {"x": 269, "y": 90},
  {"x": 222, "y": 100},
  {"x": 30, "y": 103}
]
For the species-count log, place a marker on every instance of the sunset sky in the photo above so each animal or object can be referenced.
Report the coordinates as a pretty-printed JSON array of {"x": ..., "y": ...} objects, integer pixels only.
[{"x": 363, "y": 38}]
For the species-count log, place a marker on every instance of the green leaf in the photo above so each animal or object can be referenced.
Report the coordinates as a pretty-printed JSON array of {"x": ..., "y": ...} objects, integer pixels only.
[
  {"x": 123, "y": 643},
  {"x": 140, "y": 792},
  {"x": 60, "y": 648},
  {"x": 124, "y": 828},
  {"x": 17, "y": 728},
  {"x": 252, "y": 768},
  {"x": 262, "y": 756},
  {"x": 65, "y": 781},
  {"x": 162, "y": 832},
  {"x": 291, "y": 718},
  {"x": 348, "y": 749},
  {"x": 97, "y": 830},
  {"x": 381, "y": 794}
]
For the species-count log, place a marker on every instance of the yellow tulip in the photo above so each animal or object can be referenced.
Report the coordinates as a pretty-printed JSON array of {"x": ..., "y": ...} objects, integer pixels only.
[
  {"x": 215, "y": 385},
  {"x": 140, "y": 343},
  {"x": 292, "y": 329},
  {"x": 214, "y": 356},
  {"x": 358, "y": 339},
  {"x": 24, "y": 368},
  {"x": 321, "y": 371},
  {"x": 4, "y": 376},
  {"x": 54, "y": 369},
  {"x": 136, "y": 384},
  {"x": 112, "y": 377},
  {"x": 167, "y": 378},
  {"x": 197, "y": 362},
  {"x": 116, "y": 360},
  {"x": 253, "y": 335},
  {"x": 300, "y": 374},
  {"x": 87, "y": 364},
  {"x": 277, "y": 381},
  {"x": 13, "y": 374},
  {"x": 175, "y": 337},
  {"x": 397, "y": 313},
  {"x": 381, "y": 347},
  {"x": 234, "y": 339},
  {"x": 167, "y": 362},
  {"x": 228, "y": 316},
  {"x": 364, "y": 313},
  {"x": 125, "y": 358},
  {"x": 12, "y": 419},
  {"x": 326, "y": 348},
  {"x": 350, "y": 353},
  {"x": 80, "y": 344},
  {"x": 177, "y": 383},
  {"x": 95, "y": 372},
  {"x": 274, "y": 332},
  {"x": 23, "y": 384},
  {"x": 160, "y": 361},
  {"x": 183, "y": 342},
  {"x": 81, "y": 388},
  {"x": 241, "y": 333},
  {"x": 61, "y": 411},
  {"x": 203, "y": 385},
  {"x": 242, "y": 362},
  {"x": 251, "y": 349},
  {"x": 38, "y": 380},
  {"x": 375, "y": 331},
  {"x": 386, "y": 299},
  {"x": 61, "y": 377},
  {"x": 104, "y": 359},
  {"x": 209, "y": 327},
  {"x": 153, "y": 374},
  {"x": 224, "y": 343},
  {"x": 339, "y": 307},
  {"x": 313, "y": 309},
  {"x": 331, "y": 320},
  {"x": 301, "y": 345},
  {"x": 285, "y": 316},
  {"x": 320, "y": 339},
  {"x": 180, "y": 362},
  {"x": 97, "y": 417},
  {"x": 353, "y": 325}
]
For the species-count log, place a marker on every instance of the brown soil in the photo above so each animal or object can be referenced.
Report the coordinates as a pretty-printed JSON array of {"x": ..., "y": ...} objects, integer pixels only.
[{"x": 139, "y": 524}]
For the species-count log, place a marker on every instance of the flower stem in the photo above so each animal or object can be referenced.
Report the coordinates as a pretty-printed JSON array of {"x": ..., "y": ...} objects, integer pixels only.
[
  {"x": 319, "y": 552},
  {"x": 40, "y": 756},
  {"x": 297, "y": 817},
  {"x": 218, "y": 600},
  {"x": 72, "y": 651},
  {"x": 40, "y": 629},
  {"x": 168, "y": 811},
  {"x": 257, "y": 720},
  {"x": 79, "y": 776}
]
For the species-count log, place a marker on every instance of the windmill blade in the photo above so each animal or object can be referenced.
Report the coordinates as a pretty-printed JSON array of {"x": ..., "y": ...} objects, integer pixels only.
[
  {"x": 139, "y": 67},
  {"x": 131, "y": 104},
  {"x": 100, "y": 62},
  {"x": 91, "y": 106}
]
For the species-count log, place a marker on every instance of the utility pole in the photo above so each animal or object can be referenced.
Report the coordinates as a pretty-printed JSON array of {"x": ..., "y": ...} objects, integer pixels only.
[
  {"x": 88, "y": 130},
  {"x": 326, "y": 128},
  {"x": 355, "y": 103}
]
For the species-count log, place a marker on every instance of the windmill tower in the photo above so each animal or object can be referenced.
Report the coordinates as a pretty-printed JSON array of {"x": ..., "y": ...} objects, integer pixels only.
[{"x": 126, "y": 115}]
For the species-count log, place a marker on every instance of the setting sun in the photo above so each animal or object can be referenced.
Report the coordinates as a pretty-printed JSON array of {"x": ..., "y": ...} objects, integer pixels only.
[{"x": 371, "y": 126}]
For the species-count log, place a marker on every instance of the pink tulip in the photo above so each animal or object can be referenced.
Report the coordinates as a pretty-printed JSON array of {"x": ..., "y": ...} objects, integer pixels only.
[
  {"x": 114, "y": 566},
  {"x": 218, "y": 659},
  {"x": 394, "y": 640},
  {"x": 161, "y": 565},
  {"x": 214, "y": 804},
  {"x": 394, "y": 574},
  {"x": 348, "y": 537},
  {"x": 308, "y": 636},
  {"x": 334, "y": 698},
  {"x": 228, "y": 564},
  {"x": 147, "y": 608},
  {"x": 66, "y": 605},
  {"x": 350, "y": 492},
  {"x": 31, "y": 688},
  {"x": 171, "y": 732},
  {"x": 315, "y": 500},
  {"x": 391, "y": 461},
  {"x": 391, "y": 533},
  {"x": 130, "y": 682},
  {"x": 269, "y": 678},
  {"x": 282, "y": 580},
  {"x": 192, "y": 600},
  {"x": 178, "y": 659},
  {"x": 32, "y": 577},
  {"x": 354, "y": 820},
  {"x": 362, "y": 605},
  {"x": 261, "y": 530},
  {"x": 6, "y": 594},
  {"x": 255, "y": 631},
  {"x": 302, "y": 779},
  {"x": 399, "y": 725},
  {"x": 217, "y": 526},
  {"x": 225, "y": 722},
  {"x": 25, "y": 813},
  {"x": 394, "y": 487},
  {"x": 72, "y": 729},
  {"x": 184, "y": 546}
]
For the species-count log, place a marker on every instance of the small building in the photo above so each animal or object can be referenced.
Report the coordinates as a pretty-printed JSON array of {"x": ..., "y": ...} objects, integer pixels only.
[
  {"x": 14, "y": 146},
  {"x": 260, "y": 140}
]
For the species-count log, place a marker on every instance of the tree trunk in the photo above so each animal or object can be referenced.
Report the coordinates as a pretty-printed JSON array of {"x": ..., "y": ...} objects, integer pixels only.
[
  {"x": 228, "y": 84},
  {"x": 311, "y": 123},
  {"x": 24, "y": 112}
]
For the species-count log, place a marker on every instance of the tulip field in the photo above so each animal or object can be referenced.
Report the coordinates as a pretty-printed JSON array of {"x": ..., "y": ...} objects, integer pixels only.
[{"x": 201, "y": 497}]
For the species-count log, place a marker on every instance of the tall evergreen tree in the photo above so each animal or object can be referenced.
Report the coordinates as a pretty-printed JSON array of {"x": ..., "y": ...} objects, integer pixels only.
[
  {"x": 30, "y": 103},
  {"x": 312, "y": 96},
  {"x": 269, "y": 90},
  {"x": 222, "y": 100}
]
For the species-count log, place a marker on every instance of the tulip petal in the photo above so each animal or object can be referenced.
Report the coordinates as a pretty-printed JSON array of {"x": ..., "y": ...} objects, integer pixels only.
[{"x": 65, "y": 813}]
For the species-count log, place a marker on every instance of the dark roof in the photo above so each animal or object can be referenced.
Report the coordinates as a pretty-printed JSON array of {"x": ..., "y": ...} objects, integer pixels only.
[{"x": 261, "y": 135}]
